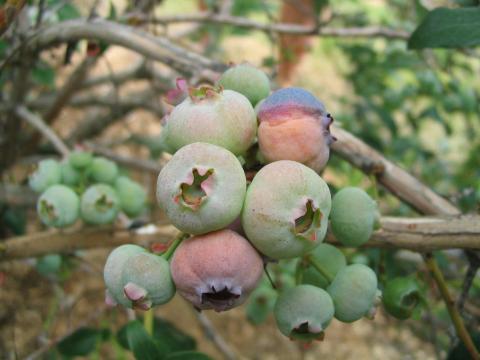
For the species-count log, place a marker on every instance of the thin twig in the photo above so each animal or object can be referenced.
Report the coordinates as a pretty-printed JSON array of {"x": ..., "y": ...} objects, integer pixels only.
[
  {"x": 214, "y": 336},
  {"x": 37, "y": 122},
  {"x": 140, "y": 164},
  {"x": 292, "y": 29},
  {"x": 473, "y": 266},
  {"x": 71, "y": 85},
  {"x": 457, "y": 320}
]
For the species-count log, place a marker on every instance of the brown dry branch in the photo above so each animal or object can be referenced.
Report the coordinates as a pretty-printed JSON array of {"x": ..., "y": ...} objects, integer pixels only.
[
  {"x": 416, "y": 234},
  {"x": 139, "y": 164},
  {"x": 292, "y": 29},
  {"x": 142, "y": 42},
  {"x": 36, "y": 121},
  {"x": 72, "y": 85},
  {"x": 67, "y": 241},
  {"x": 9, "y": 12},
  {"x": 398, "y": 181}
]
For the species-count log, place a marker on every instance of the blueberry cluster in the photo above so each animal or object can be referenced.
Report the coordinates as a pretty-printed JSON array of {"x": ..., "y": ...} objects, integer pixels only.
[
  {"x": 236, "y": 226},
  {"x": 86, "y": 187}
]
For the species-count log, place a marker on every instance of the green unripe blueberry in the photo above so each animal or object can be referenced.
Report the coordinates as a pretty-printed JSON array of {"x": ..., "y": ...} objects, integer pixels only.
[
  {"x": 47, "y": 174},
  {"x": 112, "y": 273},
  {"x": 400, "y": 297},
  {"x": 331, "y": 260},
  {"x": 354, "y": 292},
  {"x": 353, "y": 216},
  {"x": 210, "y": 115},
  {"x": 248, "y": 81},
  {"x": 303, "y": 312},
  {"x": 132, "y": 196},
  {"x": 80, "y": 159},
  {"x": 103, "y": 170},
  {"x": 70, "y": 175},
  {"x": 147, "y": 281},
  {"x": 99, "y": 204},
  {"x": 286, "y": 209},
  {"x": 58, "y": 206},
  {"x": 202, "y": 188},
  {"x": 49, "y": 264},
  {"x": 261, "y": 303}
]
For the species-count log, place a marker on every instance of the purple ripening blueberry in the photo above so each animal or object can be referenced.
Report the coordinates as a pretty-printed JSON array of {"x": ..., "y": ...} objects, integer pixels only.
[
  {"x": 217, "y": 270},
  {"x": 294, "y": 125}
]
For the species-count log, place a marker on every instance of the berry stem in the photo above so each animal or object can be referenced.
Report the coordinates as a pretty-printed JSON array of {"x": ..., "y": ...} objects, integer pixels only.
[
  {"x": 148, "y": 321},
  {"x": 310, "y": 260},
  {"x": 171, "y": 249},
  {"x": 457, "y": 320}
]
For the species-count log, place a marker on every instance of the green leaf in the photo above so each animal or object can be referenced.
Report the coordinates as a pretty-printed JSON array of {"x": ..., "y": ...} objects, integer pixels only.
[
  {"x": 3, "y": 47},
  {"x": 112, "y": 12},
  {"x": 81, "y": 343},
  {"x": 134, "y": 338},
  {"x": 49, "y": 264},
  {"x": 170, "y": 338},
  {"x": 448, "y": 28},
  {"x": 44, "y": 75},
  {"x": 261, "y": 304},
  {"x": 68, "y": 12},
  {"x": 187, "y": 355}
]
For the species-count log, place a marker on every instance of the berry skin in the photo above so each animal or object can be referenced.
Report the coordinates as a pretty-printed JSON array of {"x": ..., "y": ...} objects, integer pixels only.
[
  {"x": 132, "y": 196},
  {"x": 353, "y": 216},
  {"x": 303, "y": 312},
  {"x": 146, "y": 280},
  {"x": 224, "y": 118},
  {"x": 47, "y": 174},
  {"x": 58, "y": 206},
  {"x": 354, "y": 292},
  {"x": 103, "y": 170},
  {"x": 216, "y": 270},
  {"x": 70, "y": 175},
  {"x": 247, "y": 80},
  {"x": 286, "y": 210},
  {"x": 202, "y": 188},
  {"x": 400, "y": 297},
  {"x": 99, "y": 204},
  {"x": 294, "y": 125},
  {"x": 332, "y": 261},
  {"x": 80, "y": 159},
  {"x": 261, "y": 304},
  {"x": 112, "y": 273}
]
